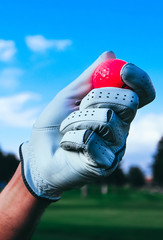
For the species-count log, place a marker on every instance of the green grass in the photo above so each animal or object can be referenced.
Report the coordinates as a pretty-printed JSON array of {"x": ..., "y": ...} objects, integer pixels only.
[{"x": 121, "y": 214}]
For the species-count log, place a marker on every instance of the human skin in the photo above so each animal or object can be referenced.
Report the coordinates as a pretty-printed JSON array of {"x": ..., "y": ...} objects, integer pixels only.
[{"x": 20, "y": 211}]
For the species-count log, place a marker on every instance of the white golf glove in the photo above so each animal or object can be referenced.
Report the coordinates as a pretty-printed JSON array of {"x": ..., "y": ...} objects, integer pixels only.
[{"x": 70, "y": 147}]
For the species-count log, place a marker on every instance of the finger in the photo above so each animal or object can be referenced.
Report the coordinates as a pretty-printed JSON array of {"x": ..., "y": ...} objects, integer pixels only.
[
  {"x": 97, "y": 120},
  {"x": 140, "y": 82},
  {"x": 94, "y": 148},
  {"x": 123, "y": 102},
  {"x": 85, "y": 117},
  {"x": 102, "y": 121}
]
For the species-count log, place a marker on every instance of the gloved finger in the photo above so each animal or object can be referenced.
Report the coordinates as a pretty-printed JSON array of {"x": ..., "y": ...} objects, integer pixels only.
[
  {"x": 140, "y": 82},
  {"x": 123, "y": 102},
  {"x": 103, "y": 121},
  {"x": 94, "y": 148},
  {"x": 85, "y": 119}
]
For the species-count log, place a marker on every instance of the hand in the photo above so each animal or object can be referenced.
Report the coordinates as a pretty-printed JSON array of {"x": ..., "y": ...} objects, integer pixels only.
[
  {"x": 96, "y": 133},
  {"x": 39, "y": 160},
  {"x": 49, "y": 169}
]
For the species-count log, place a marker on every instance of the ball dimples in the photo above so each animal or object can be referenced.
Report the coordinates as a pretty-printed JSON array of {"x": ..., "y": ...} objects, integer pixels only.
[{"x": 107, "y": 74}]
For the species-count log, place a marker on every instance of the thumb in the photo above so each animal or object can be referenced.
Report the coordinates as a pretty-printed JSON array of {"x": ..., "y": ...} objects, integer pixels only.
[{"x": 140, "y": 82}]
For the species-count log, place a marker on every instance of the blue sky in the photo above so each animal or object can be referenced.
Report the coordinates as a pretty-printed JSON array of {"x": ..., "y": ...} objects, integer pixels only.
[{"x": 44, "y": 45}]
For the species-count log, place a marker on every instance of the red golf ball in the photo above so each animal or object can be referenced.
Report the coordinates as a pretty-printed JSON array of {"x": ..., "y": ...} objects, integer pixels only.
[{"x": 107, "y": 74}]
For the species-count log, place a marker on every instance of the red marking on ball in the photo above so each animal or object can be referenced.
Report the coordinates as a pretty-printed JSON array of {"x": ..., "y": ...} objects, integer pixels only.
[{"x": 107, "y": 74}]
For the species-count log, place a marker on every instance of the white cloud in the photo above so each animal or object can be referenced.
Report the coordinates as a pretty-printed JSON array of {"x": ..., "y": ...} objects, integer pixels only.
[
  {"x": 9, "y": 77},
  {"x": 13, "y": 112},
  {"x": 142, "y": 142},
  {"x": 145, "y": 133},
  {"x": 39, "y": 43},
  {"x": 7, "y": 50}
]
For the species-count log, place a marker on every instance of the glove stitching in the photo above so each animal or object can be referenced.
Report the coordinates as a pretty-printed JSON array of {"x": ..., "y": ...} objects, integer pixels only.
[
  {"x": 42, "y": 184},
  {"x": 26, "y": 183}
]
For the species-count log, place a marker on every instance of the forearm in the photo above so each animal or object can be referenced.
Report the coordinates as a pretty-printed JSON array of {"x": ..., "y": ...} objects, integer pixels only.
[{"x": 19, "y": 210}]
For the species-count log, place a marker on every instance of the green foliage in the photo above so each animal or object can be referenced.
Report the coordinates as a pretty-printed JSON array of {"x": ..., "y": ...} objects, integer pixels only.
[
  {"x": 117, "y": 178},
  {"x": 8, "y": 165},
  {"x": 158, "y": 164},
  {"x": 136, "y": 177}
]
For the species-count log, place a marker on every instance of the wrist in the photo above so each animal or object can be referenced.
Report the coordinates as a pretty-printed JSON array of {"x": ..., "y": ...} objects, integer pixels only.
[
  {"x": 19, "y": 209},
  {"x": 36, "y": 184}
]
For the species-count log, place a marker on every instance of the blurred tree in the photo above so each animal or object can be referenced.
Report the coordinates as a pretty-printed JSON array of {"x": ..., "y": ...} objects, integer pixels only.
[
  {"x": 8, "y": 165},
  {"x": 136, "y": 177},
  {"x": 117, "y": 178},
  {"x": 158, "y": 164}
]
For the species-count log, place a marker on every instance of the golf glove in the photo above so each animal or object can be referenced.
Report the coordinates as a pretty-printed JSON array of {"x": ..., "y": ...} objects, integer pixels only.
[{"x": 72, "y": 145}]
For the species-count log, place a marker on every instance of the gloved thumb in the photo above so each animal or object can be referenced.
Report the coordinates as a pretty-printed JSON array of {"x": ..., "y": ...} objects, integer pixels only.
[{"x": 140, "y": 83}]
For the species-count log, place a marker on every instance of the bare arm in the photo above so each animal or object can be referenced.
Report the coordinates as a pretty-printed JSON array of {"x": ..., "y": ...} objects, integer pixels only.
[{"x": 19, "y": 210}]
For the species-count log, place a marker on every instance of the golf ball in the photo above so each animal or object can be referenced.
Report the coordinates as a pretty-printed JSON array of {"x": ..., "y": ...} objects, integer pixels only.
[{"x": 107, "y": 74}]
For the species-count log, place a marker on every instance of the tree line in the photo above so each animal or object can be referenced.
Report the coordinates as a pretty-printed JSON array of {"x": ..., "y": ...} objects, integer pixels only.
[
  {"x": 8, "y": 165},
  {"x": 135, "y": 176}
]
